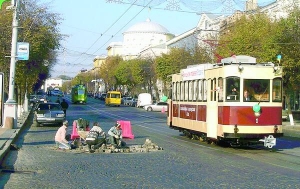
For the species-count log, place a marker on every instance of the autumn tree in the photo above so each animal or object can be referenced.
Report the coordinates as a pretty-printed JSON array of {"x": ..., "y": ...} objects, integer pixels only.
[
  {"x": 40, "y": 30},
  {"x": 252, "y": 35},
  {"x": 108, "y": 71},
  {"x": 288, "y": 40}
]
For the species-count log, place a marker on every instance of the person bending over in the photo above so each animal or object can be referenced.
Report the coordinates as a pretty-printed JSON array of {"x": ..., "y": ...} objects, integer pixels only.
[{"x": 96, "y": 137}]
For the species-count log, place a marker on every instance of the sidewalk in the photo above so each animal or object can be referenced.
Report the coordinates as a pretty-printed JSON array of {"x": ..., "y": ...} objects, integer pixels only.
[
  {"x": 291, "y": 131},
  {"x": 8, "y": 136}
]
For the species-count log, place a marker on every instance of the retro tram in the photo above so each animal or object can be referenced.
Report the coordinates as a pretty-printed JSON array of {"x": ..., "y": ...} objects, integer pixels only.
[
  {"x": 237, "y": 101},
  {"x": 79, "y": 94}
]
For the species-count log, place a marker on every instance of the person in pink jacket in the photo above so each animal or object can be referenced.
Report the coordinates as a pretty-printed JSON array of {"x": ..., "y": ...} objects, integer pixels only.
[{"x": 60, "y": 137}]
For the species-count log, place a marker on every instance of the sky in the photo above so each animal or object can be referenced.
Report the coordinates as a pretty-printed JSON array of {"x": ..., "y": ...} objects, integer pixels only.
[{"x": 91, "y": 25}]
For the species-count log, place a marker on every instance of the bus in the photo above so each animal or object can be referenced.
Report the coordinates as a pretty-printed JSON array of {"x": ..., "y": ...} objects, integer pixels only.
[
  {"x": 237, "y": 102},
  {"x": 79, "y": 94},
  {"x": 113, "y": 98}
]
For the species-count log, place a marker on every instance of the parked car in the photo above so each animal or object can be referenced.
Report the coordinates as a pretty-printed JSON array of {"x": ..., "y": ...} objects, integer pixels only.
[
  {"x": 33, "y": 99},
  {"x": 127, "y": 100},
  {"x": 102, "y": 96},
  {"x": 49, "y": 113},
  {"x": 60, "y": 93},
  {"x": 132, "y": 102},
  {"x": 160, "y": 106}
]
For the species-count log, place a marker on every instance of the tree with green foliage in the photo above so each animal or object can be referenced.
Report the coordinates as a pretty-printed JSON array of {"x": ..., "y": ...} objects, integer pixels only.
[
  {"x": 173, "y": 62},
  {"x": 252, "y": 35},
  {"x": 82, "y": 78},
  {"x": 40, "y": 30},
  {"x": 289, "y": 47},
  {"x": 108, "y": 71}
]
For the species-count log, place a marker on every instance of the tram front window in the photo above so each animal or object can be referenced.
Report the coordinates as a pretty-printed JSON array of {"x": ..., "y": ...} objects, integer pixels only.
[
  {"x": 256, "y": 90},
  {"x": 232, "y": 89}
]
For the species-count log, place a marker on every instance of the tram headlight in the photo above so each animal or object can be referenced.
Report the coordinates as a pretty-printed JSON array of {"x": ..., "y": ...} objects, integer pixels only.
[{"x": 257, "y": 114}]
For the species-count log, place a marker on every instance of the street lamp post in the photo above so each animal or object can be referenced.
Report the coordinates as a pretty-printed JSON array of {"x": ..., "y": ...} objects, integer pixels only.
[{"x": 10, "y": 106}]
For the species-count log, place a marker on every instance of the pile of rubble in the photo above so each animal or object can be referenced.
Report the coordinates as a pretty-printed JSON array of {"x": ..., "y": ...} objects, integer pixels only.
[{"x": 148, "y": 146}]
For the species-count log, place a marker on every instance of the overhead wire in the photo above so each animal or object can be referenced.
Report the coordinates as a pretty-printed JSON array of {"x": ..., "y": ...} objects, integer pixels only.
[
  {"x": 124, "y": 26},
  {"x": 107, "y": 30},
  {"x": 112, "y": 36}
]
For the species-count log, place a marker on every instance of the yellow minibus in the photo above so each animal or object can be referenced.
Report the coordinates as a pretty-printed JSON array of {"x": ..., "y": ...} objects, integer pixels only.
[{"x": 113, "y": 98}]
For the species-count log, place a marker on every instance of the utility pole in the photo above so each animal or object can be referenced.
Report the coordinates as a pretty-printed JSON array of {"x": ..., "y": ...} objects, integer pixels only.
[{"x": 10, "y": 106}]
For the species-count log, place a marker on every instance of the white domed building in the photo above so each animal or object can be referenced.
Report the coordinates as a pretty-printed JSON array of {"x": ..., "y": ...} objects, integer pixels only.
[{"x": 138, "y": 37}]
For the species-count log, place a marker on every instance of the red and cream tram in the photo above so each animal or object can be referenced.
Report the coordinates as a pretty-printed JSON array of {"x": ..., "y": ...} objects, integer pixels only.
[{"x": 237, "y": 101}]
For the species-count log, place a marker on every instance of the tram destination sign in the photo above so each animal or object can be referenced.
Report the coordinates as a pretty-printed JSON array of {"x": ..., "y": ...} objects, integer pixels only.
[{"x": 194, "y": 72}]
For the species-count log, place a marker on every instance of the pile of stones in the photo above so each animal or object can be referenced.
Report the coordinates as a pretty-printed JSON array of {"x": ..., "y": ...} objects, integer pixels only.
[{"x": 148, "y": 146}]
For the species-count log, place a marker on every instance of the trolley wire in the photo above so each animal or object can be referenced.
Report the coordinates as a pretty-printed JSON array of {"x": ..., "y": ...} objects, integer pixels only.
[{"x": 105, "y": 32}]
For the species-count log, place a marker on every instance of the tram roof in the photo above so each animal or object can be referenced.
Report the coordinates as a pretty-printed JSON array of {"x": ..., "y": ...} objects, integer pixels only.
[{"x": 197, "y": 71}]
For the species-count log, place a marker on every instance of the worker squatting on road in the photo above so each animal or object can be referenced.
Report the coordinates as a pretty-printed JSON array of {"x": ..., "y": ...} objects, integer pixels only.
[
  {"x": 96, "y": 137},
  {"x": 115, "y": 136},
  {"x": 60, "y": 137}
]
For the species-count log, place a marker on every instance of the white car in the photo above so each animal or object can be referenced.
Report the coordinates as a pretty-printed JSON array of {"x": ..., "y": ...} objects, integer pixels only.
[{"x": 160, "y": 106}]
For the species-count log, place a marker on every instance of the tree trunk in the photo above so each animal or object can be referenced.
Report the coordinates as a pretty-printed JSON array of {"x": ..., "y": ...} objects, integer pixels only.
[{"x": 287, "y": 99}]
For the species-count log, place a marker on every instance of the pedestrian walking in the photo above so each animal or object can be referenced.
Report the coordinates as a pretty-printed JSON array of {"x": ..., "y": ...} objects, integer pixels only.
[{"x": 64, "y": 106}]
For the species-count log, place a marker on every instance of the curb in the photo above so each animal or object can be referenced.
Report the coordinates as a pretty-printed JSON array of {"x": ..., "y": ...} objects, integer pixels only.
[
  {"x": 12, "y": 134},
  {"x": 291, "y": 131}
]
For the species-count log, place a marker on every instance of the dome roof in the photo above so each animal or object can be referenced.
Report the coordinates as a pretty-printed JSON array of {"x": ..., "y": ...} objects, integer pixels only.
[{"x": 147, "y": 27}]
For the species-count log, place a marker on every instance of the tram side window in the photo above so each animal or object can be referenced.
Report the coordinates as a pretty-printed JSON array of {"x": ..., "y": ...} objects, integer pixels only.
[
  {"x": 191, "y": 90},
  {"x": 205, "y": 90},
  {"x": 178, "y": 91},
  {"x": 256, "y": 90},
  {"x": 182, "y": 91},
  {"x": 220, "y": 89},
  {"x": 213, "y": 88},
  {"x": 186, "y": 90},
  {"x": 174, "y": 87},
  {"x": 232, "y": 89},
  {"x": 277, "y": 90},
  {"x": 195, "y": 90},
  {"x": 200, "y": 90}
]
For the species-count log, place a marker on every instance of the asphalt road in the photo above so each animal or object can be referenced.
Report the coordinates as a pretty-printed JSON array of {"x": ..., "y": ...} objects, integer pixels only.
[{"x": 183, "y": 163}]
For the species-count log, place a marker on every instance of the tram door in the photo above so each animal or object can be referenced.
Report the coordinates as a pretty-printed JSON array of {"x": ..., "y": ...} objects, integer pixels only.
[{"x": 212, "y": 109}]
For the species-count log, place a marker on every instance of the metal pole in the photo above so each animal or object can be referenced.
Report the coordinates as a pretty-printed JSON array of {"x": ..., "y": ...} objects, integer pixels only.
[{"x": 11, "y": 106}]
